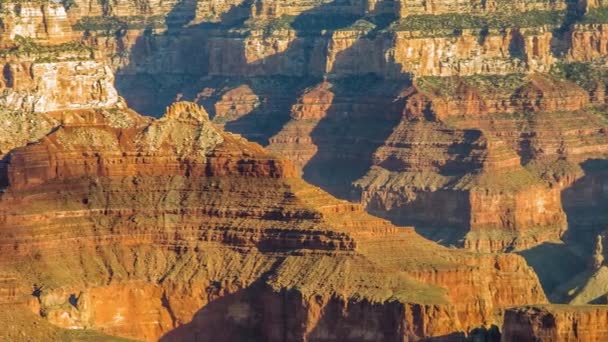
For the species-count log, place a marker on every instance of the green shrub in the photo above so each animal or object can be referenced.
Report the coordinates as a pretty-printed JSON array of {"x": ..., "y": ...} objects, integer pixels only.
[{"x": 455, "y": 23}]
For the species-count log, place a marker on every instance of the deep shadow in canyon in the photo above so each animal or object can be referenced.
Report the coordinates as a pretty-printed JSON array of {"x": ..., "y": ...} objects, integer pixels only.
[
  {"x": 346, "y": 136},
  {"x": 259, "y": 313},
  {"x": 586, "y": 204}
]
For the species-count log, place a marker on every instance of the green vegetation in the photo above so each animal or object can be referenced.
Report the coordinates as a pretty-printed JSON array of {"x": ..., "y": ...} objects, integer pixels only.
[
  {"x": 437, "y": 84},
  {"x": 315, "y": 23},
  {"x": 271, "y": 25},
  {"x": 26, "y": 1},
  {"x": 454, "y": 23},
  {"x": 485, "y": 83},
  {"x": 112, "y": 25},
  {"x": 499, "y": 182},
  {"x": 554, "y": 171},
  {"x": 16, "y": 320},
  {"x": 493, "y": 83},
  {"x": 360, "y": 25},
  {"x": 304, "y": 24},
  {"x": 451, "y": 24},
  {"x": 47, "y": 53},
  {"x": 584, "y": 74},
  {"x": 595, "y": 16}
]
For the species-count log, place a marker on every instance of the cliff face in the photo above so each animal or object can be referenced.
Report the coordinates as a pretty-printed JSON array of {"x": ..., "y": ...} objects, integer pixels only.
[
  {"x": 174, "y": 226},
  {"x": 486, "y": 78},
  {"x": 317, "y": 37},
  {"x": 460, "y": 146},
  {"x": 412, "y": 7},
  {"x": 555, "y": 323},
  {"x": 45, "y": 73},
  {"x": 299, "y": 38},
  {"x": 498, "y": 177},
  {"x": 482, "y": 123},
  {"x": 55, "y": 86},
  {"x": 44, "y": 21}
]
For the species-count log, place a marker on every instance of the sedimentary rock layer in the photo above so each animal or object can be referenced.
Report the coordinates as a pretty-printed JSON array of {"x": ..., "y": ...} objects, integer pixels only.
[
  {"x": 171, "y": 226},
  {"x": 556, "y": 323}
]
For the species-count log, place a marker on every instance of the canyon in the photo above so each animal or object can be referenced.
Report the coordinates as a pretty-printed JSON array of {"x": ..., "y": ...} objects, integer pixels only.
[{"x": 303, "y": 170}]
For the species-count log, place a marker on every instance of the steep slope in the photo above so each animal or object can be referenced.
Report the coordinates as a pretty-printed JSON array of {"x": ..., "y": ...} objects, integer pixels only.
[
  {"x": 556, "y": 323},
  {"x": 482, "y": 123},
  {"x": 169, "y": 227},
  {"x": 499, "y": 176},
  {"x": 505, "y": 72}
]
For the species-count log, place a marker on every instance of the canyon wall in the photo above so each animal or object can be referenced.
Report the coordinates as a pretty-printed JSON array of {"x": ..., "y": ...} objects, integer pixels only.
[
  {"x": 480, "y": 82},
  {"x": 338, "y": 87},
  {"x": 555, "y": 323},
  {"x": 482, "y": 124},
  {"x": 169, "y": 227}
]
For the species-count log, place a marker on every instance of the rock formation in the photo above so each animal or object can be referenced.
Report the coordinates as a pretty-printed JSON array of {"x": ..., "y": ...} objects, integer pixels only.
[
  {"x": 168, "y": 223},
  {"x": 556, "y": 323},
  {"x": 598, "y": 253},
  {"x": 482, "y": 123}
]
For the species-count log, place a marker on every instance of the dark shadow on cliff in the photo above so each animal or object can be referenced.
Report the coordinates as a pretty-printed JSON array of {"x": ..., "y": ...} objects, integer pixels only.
[
  {"x": 346, "y": 137},
  {"x": 586, "y": 206},
  {"x": 4, "y": 161},
  {"x": 230, "y": 317},
  {"x": 364, "y": 110},
  {"x": 561, "y": 42},
  {"x": 362, "y": 115},
  {"x": 554, "y": 264},
  {"x": 365, "y": 321},
  {"x": 272, "y": 114},
  {"x": 183, "y": 12},
  {"x": 585, "y": 203},
  {"x": 166, "y": 66},
  {"x": 259, "y": 313},
  {"x": 304, "y": 60}
]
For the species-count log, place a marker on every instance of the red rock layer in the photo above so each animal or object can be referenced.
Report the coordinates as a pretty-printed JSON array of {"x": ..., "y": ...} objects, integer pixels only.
[
  {"x": 442, "y": 98},
  {"x": 556, "y": 323},
  {"x": 169, "y": 227}
]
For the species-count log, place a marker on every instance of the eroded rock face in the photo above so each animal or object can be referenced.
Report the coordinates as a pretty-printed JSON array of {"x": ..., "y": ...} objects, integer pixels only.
[
  {"x": 555, "y": 323},
  {"x": 300, "y": 38},
  {"x": 459, "y": 146},
  {"x": 212, "y": 236},
  {"x": 473, "y": 121},
  {"x": 463, "y": 67},
  {"x": 55, "y": 86},
  {"x": 43, "y": 21}
]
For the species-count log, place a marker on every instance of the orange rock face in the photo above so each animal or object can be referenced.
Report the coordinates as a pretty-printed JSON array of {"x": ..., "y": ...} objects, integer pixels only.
[
  {"x": 178, "y": 227},
  {"x": 47, "y": 22},
  {"x": 482, "y": 123},
  {"x": 556, "y": 323}
]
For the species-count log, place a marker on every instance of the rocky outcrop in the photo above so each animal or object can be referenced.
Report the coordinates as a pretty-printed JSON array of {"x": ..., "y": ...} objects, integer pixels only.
[
  {"x": 174, "y": 226},
  {"x": 476, "y": 96},
  {"x": 555, "y": 323},
  {"x": 235, "y": 104},
  {"x": 465, "y": 69},
  {"x": 306, "y": 38},
  {"x": 56, "y": 86},
  {"x": 294, "y": 142},
  {"x": 496, "y": 177},
  {"x": 588, "y": 42},
  {"x": 335, "y": 127},
  {"x": 44, "y": 21},
  {"x": 469, "y": 120}
]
